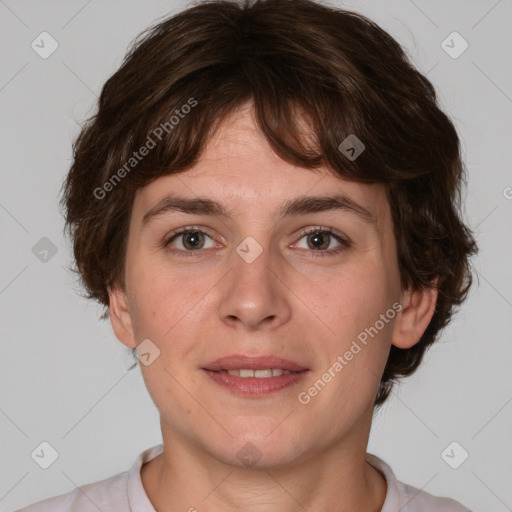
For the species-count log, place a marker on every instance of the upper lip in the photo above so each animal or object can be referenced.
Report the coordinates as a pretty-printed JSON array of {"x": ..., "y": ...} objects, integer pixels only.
[{"x": 240, "y": 361}]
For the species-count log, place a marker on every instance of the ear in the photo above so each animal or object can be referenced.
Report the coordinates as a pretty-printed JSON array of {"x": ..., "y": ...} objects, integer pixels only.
[
  {"x": 120, "y": 316},
  {"x": 418, "y": 309}
]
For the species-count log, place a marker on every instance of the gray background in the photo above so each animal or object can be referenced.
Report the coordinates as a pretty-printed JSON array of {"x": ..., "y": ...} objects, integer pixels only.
[{"x": 64, "y": 377}]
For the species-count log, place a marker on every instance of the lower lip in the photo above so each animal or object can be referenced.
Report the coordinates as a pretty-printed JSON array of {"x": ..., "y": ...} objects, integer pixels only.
[{"x": 254, "y": 386}]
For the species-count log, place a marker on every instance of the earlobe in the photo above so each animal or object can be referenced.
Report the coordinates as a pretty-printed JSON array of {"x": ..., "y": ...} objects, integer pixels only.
[
  {"x": 418, "y": 309},
  {"x": 120, "y": 316}
]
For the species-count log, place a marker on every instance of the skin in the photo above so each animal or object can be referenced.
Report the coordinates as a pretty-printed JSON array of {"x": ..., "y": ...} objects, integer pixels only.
[{"x": 306, "y": 309}]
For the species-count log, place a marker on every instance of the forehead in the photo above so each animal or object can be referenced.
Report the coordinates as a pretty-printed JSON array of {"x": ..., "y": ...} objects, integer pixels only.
[{"x": 239, "y": 169}]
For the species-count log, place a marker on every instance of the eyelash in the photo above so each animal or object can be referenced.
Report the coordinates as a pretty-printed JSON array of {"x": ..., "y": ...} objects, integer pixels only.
[{"x": 317, "y": 229}]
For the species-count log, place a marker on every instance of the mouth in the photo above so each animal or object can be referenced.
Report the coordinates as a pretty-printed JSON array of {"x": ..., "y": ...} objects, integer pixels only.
[{"x": 254, "y": 376}]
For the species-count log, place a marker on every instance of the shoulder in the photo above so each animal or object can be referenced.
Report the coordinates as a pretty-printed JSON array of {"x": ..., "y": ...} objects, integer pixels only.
[
  {"x": 407, "y": 498},
  {"x": 120, "y": 492},
  {"x": 108, "y": 494},
  {"x": 417, "y": 500}
]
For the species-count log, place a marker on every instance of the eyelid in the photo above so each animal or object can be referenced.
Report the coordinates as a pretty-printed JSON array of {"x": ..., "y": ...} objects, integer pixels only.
[
  {"x": 322, "y": 229},
  {"x": 169, "y": 238}
]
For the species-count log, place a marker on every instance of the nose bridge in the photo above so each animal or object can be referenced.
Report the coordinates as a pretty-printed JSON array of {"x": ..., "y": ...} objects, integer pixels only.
[
  {"x": 252, "y": 266},
  {"x": 253, "y": 260},
  {"x": 253, "y": 293}
]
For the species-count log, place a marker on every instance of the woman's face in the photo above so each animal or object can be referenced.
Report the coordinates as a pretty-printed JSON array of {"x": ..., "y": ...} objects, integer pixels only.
[{"x": 259, "y": 283}]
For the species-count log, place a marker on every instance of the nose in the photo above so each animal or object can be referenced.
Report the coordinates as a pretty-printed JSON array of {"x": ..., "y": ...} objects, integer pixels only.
[{"x": 253, "y": 294}]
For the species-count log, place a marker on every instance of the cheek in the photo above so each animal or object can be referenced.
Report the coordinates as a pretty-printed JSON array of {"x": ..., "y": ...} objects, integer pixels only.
[
  {"x": 358, "y": 334},
  {"x": 356, "y": 348},
  {"x": 168, "y": 307},
  {"x": 353, "y": 301}
]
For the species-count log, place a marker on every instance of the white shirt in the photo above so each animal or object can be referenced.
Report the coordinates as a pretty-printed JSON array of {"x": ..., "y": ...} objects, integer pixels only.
[{"x": 124, "y": 493}]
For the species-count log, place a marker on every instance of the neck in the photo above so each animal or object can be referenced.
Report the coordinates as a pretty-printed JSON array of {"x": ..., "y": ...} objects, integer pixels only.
[{"x": 185, "y": 477}]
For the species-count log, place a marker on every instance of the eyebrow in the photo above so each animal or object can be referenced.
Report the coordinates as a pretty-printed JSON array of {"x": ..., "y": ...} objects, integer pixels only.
[{"x": 301, "y": 205}]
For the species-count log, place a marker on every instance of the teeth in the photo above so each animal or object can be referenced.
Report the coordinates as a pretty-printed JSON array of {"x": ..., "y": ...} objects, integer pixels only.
[{"x": 260, "y": 374}]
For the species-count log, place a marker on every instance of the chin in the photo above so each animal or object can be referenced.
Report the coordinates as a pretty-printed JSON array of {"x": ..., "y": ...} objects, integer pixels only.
[{"x": 257, "y": 444}]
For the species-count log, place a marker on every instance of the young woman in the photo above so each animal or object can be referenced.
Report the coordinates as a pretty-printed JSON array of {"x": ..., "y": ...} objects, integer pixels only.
[{"x": 266, "y": 203}]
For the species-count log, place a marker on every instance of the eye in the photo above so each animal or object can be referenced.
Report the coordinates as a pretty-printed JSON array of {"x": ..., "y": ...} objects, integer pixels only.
[
  {"x": 191, "y": 240},
  {"x": 318, "y": 239}
]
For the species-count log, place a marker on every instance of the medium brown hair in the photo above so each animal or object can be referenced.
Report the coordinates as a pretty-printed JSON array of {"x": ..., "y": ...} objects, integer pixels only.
[{"x": 294, "y": 59}]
